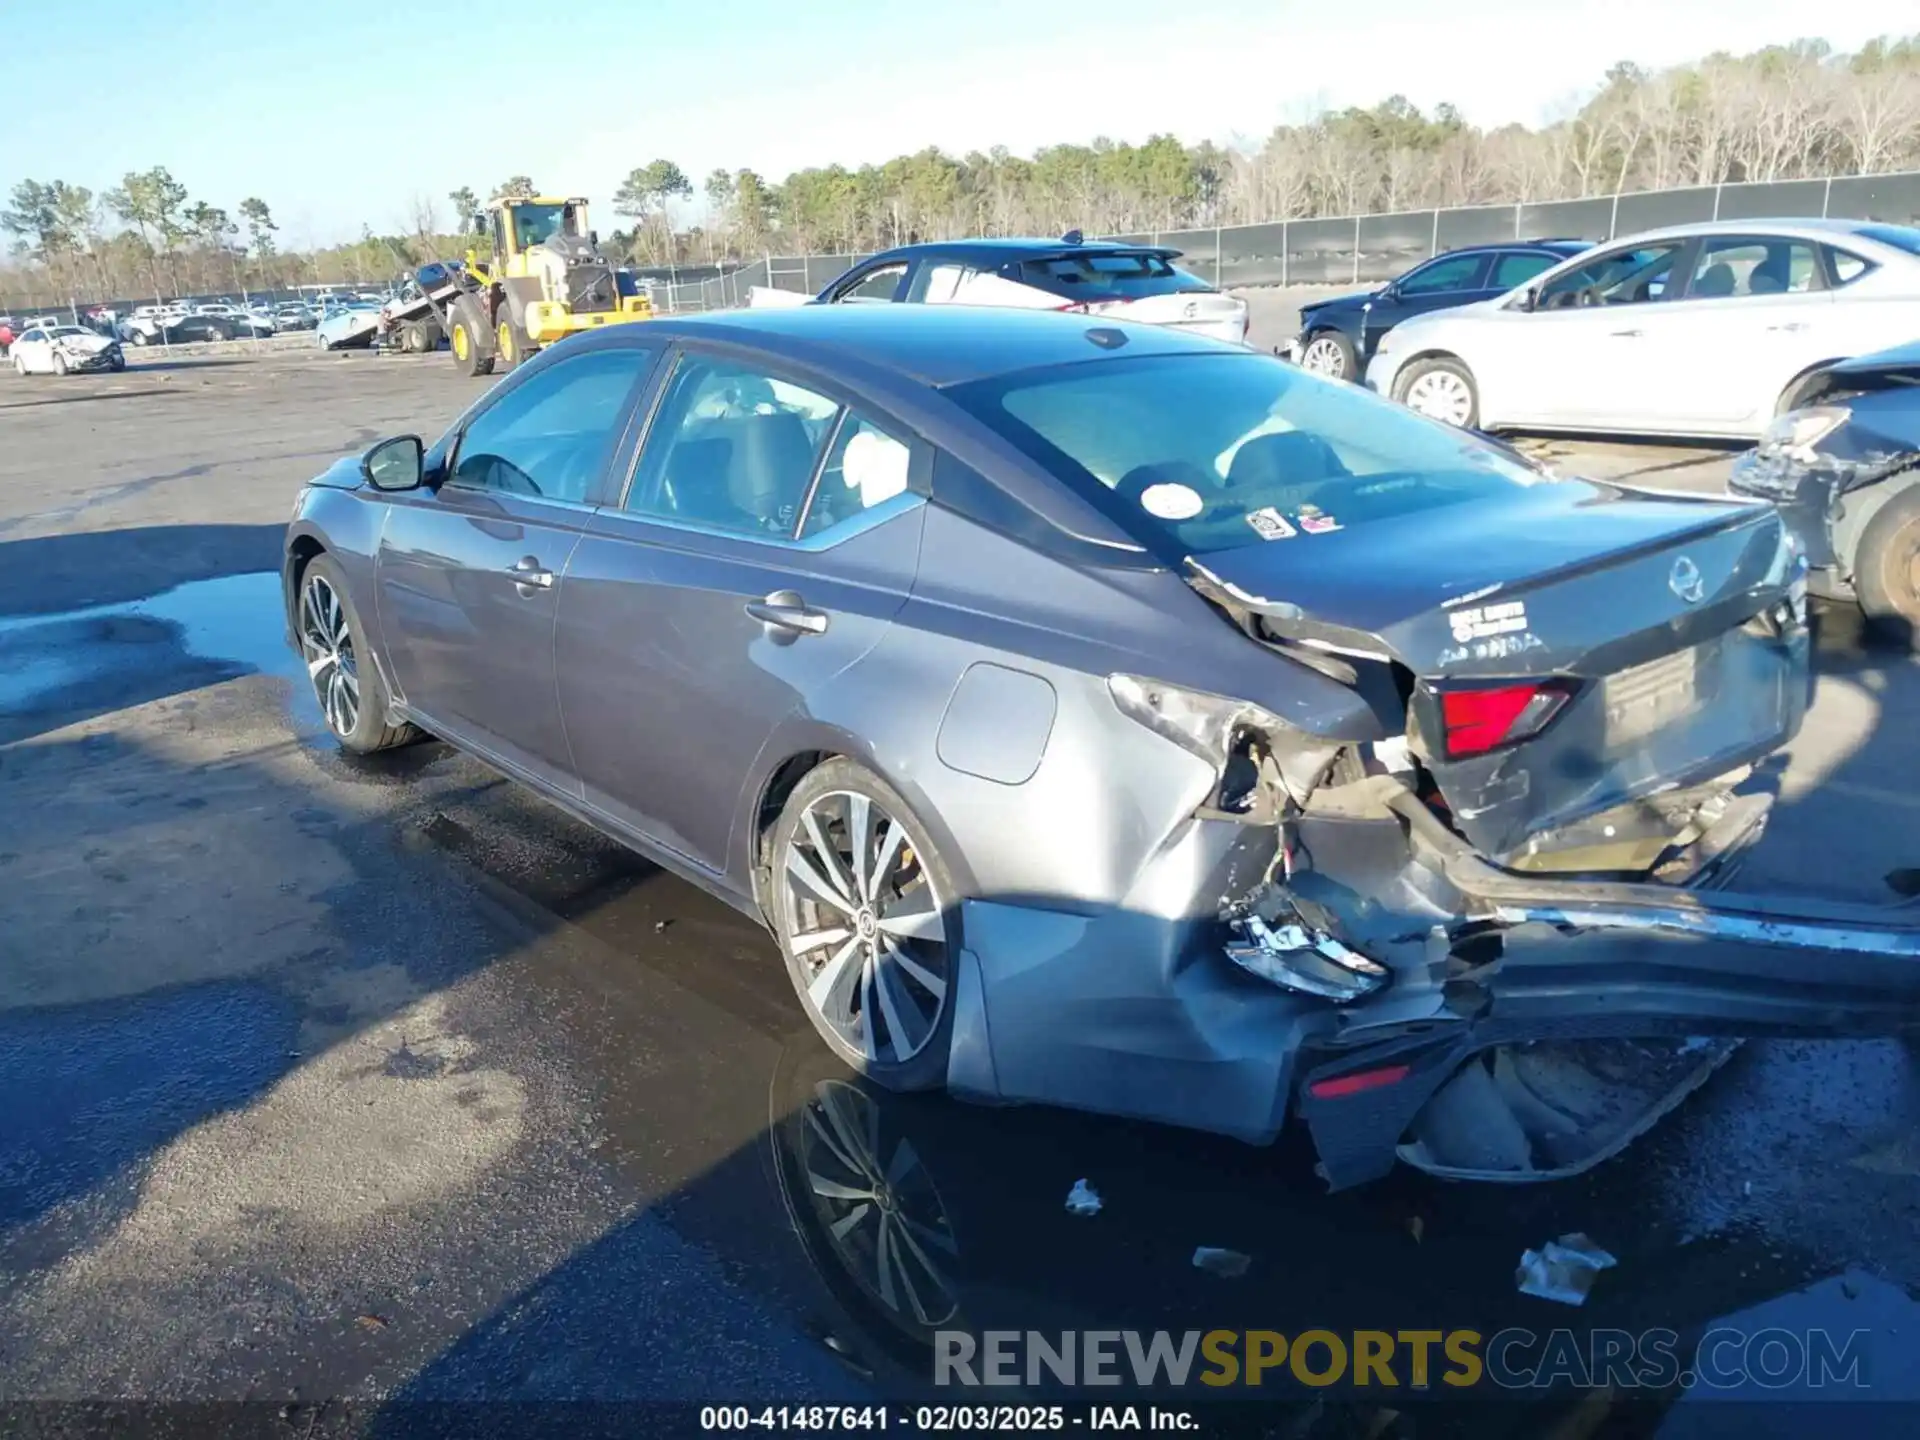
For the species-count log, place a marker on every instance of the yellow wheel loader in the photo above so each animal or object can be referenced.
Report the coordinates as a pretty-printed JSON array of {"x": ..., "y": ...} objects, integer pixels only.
[{"x": 534, "y": 274}]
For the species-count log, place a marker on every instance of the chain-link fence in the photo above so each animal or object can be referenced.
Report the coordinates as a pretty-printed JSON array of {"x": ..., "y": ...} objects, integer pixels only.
[{"x": 1363, "y": 249}]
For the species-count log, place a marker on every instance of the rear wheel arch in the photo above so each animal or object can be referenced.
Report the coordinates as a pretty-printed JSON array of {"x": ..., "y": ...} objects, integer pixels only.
[{"x": 800, "y": 757}]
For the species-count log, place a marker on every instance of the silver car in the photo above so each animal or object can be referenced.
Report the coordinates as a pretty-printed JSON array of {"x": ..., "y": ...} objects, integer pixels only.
[{"x": 1109, "y": 717}]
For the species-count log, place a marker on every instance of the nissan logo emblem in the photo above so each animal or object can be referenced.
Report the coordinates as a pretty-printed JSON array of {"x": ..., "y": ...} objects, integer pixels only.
[{"x": 1684, "y": 580}]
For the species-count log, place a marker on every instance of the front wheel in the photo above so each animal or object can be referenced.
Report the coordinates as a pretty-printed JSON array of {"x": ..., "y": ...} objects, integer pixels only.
[
  {"x": 59, "y": 364},
  {"x": 346, "y": 682},
  {"x": 1441, "y": 389},
  {"x": 1331, "y": 354},
  {"x": 1886, "y": 571},
  {"x": 866, "y": 915}
]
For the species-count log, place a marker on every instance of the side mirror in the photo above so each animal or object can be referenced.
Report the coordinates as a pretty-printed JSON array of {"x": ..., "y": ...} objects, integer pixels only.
[
  {"x": 1530, "y": 298},
  {"x": 1388, "y": 291},
  {"x": 396, "y": 464}
]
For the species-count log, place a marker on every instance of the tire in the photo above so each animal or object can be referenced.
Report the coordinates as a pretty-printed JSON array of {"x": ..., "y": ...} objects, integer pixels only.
[
  {"x": 353, "y": 700},
  {"x": 117, "y": 364},
  {"x": 140, "y": 337},
  {"x": 1449, "y": 392},
  {"x": 1334, "y": 354},
  {"x": 510, "y": 342},
  {"x": 420, "y": 338},
  {"x": 862, "y": 941},
  {"x": 469, "y": 341},
  {"x": 1886, "y": 572},
  {"x": 59, "y": 363}
]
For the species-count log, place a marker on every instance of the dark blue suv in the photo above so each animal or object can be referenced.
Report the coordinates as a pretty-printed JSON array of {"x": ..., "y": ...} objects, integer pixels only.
[{"x": 1337, "y": 337}]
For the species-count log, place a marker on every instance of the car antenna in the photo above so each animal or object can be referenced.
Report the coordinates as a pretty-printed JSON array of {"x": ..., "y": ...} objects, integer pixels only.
[{"x": 1073, "y": 237}]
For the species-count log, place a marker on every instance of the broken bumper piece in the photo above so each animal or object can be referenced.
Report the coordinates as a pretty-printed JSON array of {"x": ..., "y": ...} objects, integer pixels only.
[
  {"x": 1566, "y": 1016},
  {"x": 1311, "y": 962}
]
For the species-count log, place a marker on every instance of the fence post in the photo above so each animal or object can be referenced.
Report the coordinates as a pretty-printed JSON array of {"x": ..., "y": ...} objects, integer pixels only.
[
  {"x": 1613, "y": 219},
  {"x": 1356, "y": 249},
  {"x": 1516, "y": 219},
  {"x": 1826, "y": 197},
  {"x": 1716, "y": 200},
  {"x": 1219, "y": 261},
  {"x": 1283, "y": 251},
  {"x": 1433, "y": 245}
]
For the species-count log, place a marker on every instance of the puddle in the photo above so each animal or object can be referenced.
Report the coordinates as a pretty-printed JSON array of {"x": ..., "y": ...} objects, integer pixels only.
[{"x": 232, "y": 622}]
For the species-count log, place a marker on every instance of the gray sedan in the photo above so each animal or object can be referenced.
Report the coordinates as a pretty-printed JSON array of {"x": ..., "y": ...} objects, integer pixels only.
[{"x": 1107, "y": 717}]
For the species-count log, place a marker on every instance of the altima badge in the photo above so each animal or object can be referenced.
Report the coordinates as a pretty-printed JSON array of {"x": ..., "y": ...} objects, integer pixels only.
[{"x": 1684, "y": 580}]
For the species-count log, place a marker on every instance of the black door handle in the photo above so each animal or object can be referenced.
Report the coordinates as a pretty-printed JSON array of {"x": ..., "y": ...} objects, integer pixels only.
[{"x": 784, "y": 610}]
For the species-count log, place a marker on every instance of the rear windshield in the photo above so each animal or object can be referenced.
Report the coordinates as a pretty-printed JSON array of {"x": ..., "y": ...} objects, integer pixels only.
[
  {"x": 1192, "y": 454},
  {"x": 1901, "y": 237},
  {"x": 1105, "y": 277}
]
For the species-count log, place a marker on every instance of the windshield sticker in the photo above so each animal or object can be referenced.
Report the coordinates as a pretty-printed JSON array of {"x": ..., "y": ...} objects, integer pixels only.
[
  {"x": 1316, "y": 521},
  {"x": 1172, "y": 502},
  {"x": 1482, "y": 622},
  {"x": 1270, "y": 524}
]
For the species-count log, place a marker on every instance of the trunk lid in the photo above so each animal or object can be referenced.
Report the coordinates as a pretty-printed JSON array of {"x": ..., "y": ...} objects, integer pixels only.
[{"x": 1561, "y": 650}]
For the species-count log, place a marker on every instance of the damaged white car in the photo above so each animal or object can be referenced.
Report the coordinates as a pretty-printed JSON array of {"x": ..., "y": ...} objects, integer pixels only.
[{"x": 65, "y": 350}]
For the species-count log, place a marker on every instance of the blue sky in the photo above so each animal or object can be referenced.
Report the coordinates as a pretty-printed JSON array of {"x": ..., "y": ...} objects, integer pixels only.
[{"x": 330, "y": 113}]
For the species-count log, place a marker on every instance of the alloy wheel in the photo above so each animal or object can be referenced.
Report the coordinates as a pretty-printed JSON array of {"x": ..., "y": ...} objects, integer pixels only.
[
  {"x": 861, "y": 915},
  {"x": 326, "y": 643},
  {"x": 1441, "y": 395},
  {"x": 877, "y": 1204},
  {"x": 1323, "y": 356}
]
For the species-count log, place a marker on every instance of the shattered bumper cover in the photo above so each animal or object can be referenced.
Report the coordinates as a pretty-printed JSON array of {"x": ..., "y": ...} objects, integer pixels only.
[{"x": 1410, "y": 1000}]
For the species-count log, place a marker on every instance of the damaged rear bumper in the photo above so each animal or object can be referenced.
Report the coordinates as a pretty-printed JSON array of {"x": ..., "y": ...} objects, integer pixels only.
[
  {"x": 1546, "y": 1022},
  {"x": 1412, "y": 1002}
]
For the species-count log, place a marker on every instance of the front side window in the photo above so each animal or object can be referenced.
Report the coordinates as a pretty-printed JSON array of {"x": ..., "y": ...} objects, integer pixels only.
[
  {"x": 1619, "y": 277},
  {"x": 732, "y": 449},
  {"x": 1735, "y": 268},
  {"x": 1455, "y": 272},
  {"x": 550, "y": 437},
  {"x": 879, "y": 285},
  {"x": 1197, "y": 453}
]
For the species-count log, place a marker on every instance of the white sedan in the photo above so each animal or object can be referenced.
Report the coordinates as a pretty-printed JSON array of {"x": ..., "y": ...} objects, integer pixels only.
[
  {"x": 1090, "y": 277},
  {"x": 64, "y": 350},
  {"x": 1699, "y": 330}
]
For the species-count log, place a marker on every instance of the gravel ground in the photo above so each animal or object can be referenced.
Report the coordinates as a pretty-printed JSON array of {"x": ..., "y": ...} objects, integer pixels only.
[{"x": 388, "y": 1082}]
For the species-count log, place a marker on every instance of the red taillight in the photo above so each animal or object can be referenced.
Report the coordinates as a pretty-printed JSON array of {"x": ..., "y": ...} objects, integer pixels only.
[
  {"x": 1360, "y": 1080},
  {"x": 1481, "y": 720}
]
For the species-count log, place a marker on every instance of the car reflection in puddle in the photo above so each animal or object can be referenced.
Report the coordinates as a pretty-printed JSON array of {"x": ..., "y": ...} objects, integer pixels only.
[
  {"x": 67, "y": 665},
  {"x": 922, "y": 1215}
]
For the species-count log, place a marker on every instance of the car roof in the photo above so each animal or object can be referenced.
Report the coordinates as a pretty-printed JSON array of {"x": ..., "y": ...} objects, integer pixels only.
[
  {"x": 1004, "y": 250},
  {"x": 935, "y": 344},
  {"x": 1788, "y": 227}
]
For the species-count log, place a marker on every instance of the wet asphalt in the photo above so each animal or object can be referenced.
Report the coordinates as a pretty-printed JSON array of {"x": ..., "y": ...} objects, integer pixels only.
[{"x": 345, "y": 1086}]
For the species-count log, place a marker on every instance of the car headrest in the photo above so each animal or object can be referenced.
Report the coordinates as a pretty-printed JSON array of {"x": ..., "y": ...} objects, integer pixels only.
[
  {"x": 1292, "y": 457},
  {"x": 1716, "y": 279},
  {"x": 772, "y": 458}
]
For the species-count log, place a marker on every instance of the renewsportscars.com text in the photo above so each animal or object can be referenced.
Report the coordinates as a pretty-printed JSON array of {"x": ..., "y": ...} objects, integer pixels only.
[{"x": 1513, "y": 1359}]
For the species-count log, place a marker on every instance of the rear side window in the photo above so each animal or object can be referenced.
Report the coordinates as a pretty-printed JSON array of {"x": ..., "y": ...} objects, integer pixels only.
[
  {"x": 1847, "y": 266},
  {"x": 1105, "y": 276},
  {"x": 1512, "y": 270},
  {"x": 1736, "y": 268}
]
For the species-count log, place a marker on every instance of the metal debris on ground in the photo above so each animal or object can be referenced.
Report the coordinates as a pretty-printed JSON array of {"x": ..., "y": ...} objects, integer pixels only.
[
  {"x": 1563, "y": 1269},
  {"x": 370, "y": 1322},
  {"x": 1227, "y": 1264},
  {"x": 1082, "y": 1199}
]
